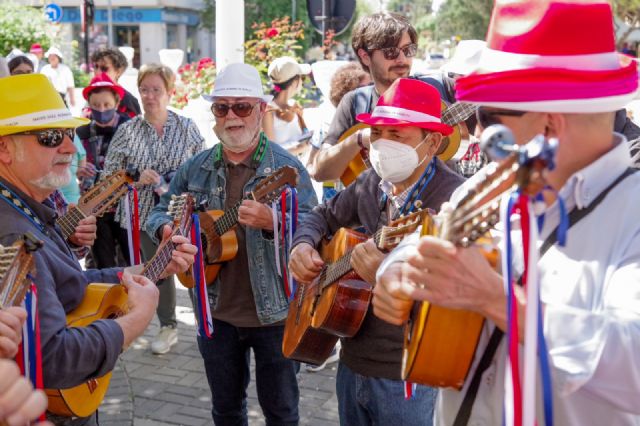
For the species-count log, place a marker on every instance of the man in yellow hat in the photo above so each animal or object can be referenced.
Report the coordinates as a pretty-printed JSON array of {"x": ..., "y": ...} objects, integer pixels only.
[{"x": 36, "y": 148}]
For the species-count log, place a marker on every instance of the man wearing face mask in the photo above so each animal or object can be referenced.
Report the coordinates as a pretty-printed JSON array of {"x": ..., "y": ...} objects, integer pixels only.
[
  {"x": 248, "y": 301},
  {"x": 406, "y": 133},
  {"x": 103, "y": 97}
]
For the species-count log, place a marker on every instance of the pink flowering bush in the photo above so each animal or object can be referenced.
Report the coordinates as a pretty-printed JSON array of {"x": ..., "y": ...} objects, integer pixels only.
[{"x": 196, "y": 78}]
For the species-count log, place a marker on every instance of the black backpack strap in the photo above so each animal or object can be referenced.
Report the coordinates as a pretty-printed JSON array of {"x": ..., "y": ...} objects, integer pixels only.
[{"x": 464, "y": 413}]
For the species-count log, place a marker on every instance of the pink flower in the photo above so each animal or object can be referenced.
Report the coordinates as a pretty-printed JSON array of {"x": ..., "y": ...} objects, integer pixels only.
[{"x": 272, "y": 32}]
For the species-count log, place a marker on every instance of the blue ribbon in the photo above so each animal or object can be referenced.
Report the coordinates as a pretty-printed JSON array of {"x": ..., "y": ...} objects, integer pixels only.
[{"x": 426, "y": 177}]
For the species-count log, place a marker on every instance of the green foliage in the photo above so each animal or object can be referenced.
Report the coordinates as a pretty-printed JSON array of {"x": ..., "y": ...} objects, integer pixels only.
[
  {"x": 466, "y": 19},
  {"x": 415, "y": 10},
  {"x": 21, "y": 26},
  {"x": 627, "y": 11},
  {"x": 196, "y": 78},
  {"x": 80, "y": 78}
]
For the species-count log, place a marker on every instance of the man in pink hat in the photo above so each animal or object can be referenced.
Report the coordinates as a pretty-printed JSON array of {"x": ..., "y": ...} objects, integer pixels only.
[
  {"x": 558, "y": 75},
  {"x": 406, "y": 133}
]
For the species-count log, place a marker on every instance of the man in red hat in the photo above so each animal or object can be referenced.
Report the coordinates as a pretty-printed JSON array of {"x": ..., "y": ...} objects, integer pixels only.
[
  {"x": 558, "y": 75},
  {"x": 406, "y": 133}
]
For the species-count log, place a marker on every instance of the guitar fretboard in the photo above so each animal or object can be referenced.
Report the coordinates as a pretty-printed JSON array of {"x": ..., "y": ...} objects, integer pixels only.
[
  {"x": 230, "y": 217},
  {"x": 69, "y": 221},
  {"x": 7, "y": 257},
  {"x": 153, "y": 269},
  {"x": 457, "y": 113}
]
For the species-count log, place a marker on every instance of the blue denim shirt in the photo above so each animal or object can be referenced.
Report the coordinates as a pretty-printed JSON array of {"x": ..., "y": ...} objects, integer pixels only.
[{"x": 204, "y": 178}]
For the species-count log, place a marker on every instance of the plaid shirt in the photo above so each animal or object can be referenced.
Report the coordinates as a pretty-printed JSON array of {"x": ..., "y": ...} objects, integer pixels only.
[{"x": 60, "y": 205}]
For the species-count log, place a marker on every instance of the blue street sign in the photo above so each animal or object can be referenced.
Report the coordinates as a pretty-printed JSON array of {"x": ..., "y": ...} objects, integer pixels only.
[{"x": 53, "y": 12}]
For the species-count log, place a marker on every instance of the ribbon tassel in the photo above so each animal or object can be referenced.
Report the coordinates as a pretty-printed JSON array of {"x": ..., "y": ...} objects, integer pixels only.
[{"x": 200, "y": 296}]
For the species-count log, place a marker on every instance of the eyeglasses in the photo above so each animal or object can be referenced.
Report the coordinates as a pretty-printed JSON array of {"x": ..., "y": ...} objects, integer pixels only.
[
  {"x": 241, "y": 109},
  {"x": 488, "y": 118},
  {"x": 155, "y": 91},
  {"x": 51, "y": 138},
  {"x": 391, "y": 53},
  {"x": 103, "y": 68}
]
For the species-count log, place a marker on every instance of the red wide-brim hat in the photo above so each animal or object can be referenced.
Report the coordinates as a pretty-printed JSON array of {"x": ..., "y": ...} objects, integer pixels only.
[
  {"x": 408, "y": 103},
  {"x": 102, "y": 81},
  {"x": 551, "y": 56}
]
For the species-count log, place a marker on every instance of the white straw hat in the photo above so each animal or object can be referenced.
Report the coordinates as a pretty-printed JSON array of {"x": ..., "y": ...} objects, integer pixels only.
[{"x": 238, "y": 81}]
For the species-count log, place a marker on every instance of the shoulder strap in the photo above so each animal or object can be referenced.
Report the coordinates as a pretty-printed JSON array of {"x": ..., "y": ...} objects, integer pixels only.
[
  {"x": 362, "y": 99},
  {"x": 464, "y": 413}
]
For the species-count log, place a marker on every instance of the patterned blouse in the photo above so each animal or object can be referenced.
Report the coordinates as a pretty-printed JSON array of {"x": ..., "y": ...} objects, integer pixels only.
[{"x": 136, "y": 147}]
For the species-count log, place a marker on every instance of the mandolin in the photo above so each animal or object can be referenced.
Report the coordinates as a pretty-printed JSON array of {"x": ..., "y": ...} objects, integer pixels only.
[
  {"x": 16, "y": 264},
  {"x": 440, "y": 343},
  {"x": 453, "y": 115},
  {"x": 103, "y": 301},
  {"x": 219, "y": 242},
  {"x": 335, "y": 304},
  {"x": 95, "y": 201}
]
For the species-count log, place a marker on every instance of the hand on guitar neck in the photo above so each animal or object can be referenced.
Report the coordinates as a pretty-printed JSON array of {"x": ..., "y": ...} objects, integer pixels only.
[
  {"x": 256, "y": 215},
  {"x": 85, "y": 232},
  {"x": 11, "y": 321}
]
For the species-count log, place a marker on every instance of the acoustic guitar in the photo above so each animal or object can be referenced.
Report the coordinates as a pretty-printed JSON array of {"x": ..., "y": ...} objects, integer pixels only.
[
  {"x": 16, "y": 263},
  {"x": 335, "y": 304},
  {"x": 440, "y": 342},
  {"x": 95, "y": 201},
  {"x": 104, "y": 301},
  {"x": 219, "y": 241},
  {"x": 453, "y": 115}
]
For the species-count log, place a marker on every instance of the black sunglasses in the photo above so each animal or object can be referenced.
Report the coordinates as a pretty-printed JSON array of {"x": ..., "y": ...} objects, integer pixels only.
[
  {"x": 103, "y": 68},
  {"x": 51, "y": 138},
  {"x": 241, "y": 109},
  {"x": 488, "y": 118},
  {"x": 391, "y": 53}
]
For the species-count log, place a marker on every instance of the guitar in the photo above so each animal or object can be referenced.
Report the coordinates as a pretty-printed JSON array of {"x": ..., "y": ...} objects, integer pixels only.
[
  {"x": 95, "y": 201},
  {"x": 218, "y": 235},
  {"x": 103, "y": 301},
  {"x": 453, "y": 115},
  {"x": 440, "y": 342},
  {"x": 335, "y": 304},
  {"x": 16, "y": 263}
]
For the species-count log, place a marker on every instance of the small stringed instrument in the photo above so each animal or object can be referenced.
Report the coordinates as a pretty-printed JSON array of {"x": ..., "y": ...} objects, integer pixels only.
[
  {"x": 219, "y": 241},
  {"x": 336, "y": 303},
  {"x": 95, "y": 201},
  {"x": 103, "y": 301},
  {"x": 440, "y": 342},
  {"x": 16, "y": 263},
  {"x": 453, "y": 115}
]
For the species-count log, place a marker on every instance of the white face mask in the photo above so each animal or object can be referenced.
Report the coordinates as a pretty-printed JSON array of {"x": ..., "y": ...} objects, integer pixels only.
[{"x": 394, "y": 161}]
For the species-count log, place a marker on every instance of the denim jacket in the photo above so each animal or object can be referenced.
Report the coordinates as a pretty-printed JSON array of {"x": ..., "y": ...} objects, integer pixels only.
[{"x": 205, "y": 179}]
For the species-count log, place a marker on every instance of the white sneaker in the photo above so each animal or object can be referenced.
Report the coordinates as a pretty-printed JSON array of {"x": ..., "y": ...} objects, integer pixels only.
[
  {"x": 166, "y": 337},
  {"x": 334, "y": 357}
]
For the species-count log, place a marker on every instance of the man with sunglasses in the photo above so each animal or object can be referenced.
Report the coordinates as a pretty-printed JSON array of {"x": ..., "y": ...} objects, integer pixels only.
[
  {"x": 248, "y": 299},
  {"x": 385, "y": 44},
  {"x": 36, "y": 149},
  {"x": 561, "y": 77}
]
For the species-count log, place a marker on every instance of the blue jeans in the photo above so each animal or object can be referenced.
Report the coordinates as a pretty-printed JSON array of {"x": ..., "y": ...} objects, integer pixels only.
[
  {"x": 374, "y": 401},
  {"x": 226, "y": 362}
]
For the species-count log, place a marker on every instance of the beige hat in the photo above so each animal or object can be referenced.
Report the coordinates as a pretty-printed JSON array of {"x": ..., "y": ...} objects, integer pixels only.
[{"x": 285, "y": 68}]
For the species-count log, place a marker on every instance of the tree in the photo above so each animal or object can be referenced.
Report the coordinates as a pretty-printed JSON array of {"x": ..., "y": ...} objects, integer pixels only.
[
  {"x": 21, "y": 26},
  {"x": 466, "y": 19},
  {"x": 415, "y": 10},
  {"x": 627, "y": 11}
]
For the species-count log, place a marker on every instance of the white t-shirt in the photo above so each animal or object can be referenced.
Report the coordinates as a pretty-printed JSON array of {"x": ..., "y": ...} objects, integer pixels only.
[{"x": 61, "y": 77}]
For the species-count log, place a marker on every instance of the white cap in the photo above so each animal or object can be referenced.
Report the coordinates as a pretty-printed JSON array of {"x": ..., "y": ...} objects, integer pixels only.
[
  {"x": 238, "y": 81},
  {"x": 285, "y": 68},
  {"x": 465, "y": 58},
  {"x": 54, "y": 51}
]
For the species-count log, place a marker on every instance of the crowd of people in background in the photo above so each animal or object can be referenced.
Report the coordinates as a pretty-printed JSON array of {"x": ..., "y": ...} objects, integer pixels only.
[{"x": 393, "y": 121}]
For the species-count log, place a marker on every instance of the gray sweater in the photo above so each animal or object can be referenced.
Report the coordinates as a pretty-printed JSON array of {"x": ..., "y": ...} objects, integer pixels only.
[
  {"x": 376, "y": 350},
  {"x": 70, "y": 356}
]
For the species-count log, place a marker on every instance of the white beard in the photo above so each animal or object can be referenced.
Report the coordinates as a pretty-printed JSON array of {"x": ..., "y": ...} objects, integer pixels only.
[
  {"x": 238, "y": 143},
  {"x": 51, "y": 180}
]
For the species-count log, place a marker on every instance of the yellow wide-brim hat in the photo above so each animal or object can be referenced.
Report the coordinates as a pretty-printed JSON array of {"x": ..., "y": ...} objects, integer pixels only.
[{"x": 30, "y": 102}]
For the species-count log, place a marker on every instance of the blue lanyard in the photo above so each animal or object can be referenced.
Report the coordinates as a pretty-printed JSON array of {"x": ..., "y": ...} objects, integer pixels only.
[
  {"x": 21, "y": 207},
  {"x": 410, "y": 202}
]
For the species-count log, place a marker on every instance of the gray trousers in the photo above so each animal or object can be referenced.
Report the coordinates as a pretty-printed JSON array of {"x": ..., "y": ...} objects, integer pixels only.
[{"x": 167, "y": 304}]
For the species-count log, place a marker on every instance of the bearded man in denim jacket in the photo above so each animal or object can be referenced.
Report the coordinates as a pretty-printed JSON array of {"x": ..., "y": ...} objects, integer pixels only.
[{"x": 247, "y": 299}]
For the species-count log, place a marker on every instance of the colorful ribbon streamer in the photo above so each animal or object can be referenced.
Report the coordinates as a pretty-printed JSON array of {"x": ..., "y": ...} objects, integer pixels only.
[
  {"x": 201, "y": 298},
  {"x": 133, "y": 224}
]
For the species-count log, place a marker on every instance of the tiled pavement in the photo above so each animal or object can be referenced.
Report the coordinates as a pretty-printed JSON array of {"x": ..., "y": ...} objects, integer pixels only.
[{"x": 172, "y": 389}]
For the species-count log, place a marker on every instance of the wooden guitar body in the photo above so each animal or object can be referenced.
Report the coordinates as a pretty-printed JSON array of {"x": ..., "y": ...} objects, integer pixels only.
[
  {"x": 218, "y": 249},
  {"x": 357, "y": 164},
  {"x": 101, "y": 301},
  {"x": 344, "y": 303},
  {"x": 301, "y": 341}
]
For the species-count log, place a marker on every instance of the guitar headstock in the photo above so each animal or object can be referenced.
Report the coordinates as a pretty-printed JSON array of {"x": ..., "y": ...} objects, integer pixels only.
[
  {"x": 16, "y": 262},
  {"x": 180, "y": 209},
  {"x": 270, "y": 187},
  {"x": 391, "y": 235},
  {"x": 104, "y": 194}
]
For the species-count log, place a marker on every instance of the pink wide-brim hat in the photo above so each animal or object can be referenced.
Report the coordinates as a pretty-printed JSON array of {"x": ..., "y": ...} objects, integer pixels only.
[
  {"x": 551, "y": 56},
  {"x": 408, "y": 102}
]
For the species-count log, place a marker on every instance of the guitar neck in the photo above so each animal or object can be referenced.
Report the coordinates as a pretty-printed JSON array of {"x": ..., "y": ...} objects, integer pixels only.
[
  {"x": 154, "y": 268},
  {"x": 69, "y": 221},
  {"x": 230, "y": 217}
]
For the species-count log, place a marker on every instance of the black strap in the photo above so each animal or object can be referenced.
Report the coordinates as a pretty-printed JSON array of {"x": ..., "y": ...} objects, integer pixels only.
[{"x": 464, "y": 413}]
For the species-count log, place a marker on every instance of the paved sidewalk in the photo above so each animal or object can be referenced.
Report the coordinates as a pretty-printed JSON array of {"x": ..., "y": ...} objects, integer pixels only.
[{"x": 172, "y": 389}]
